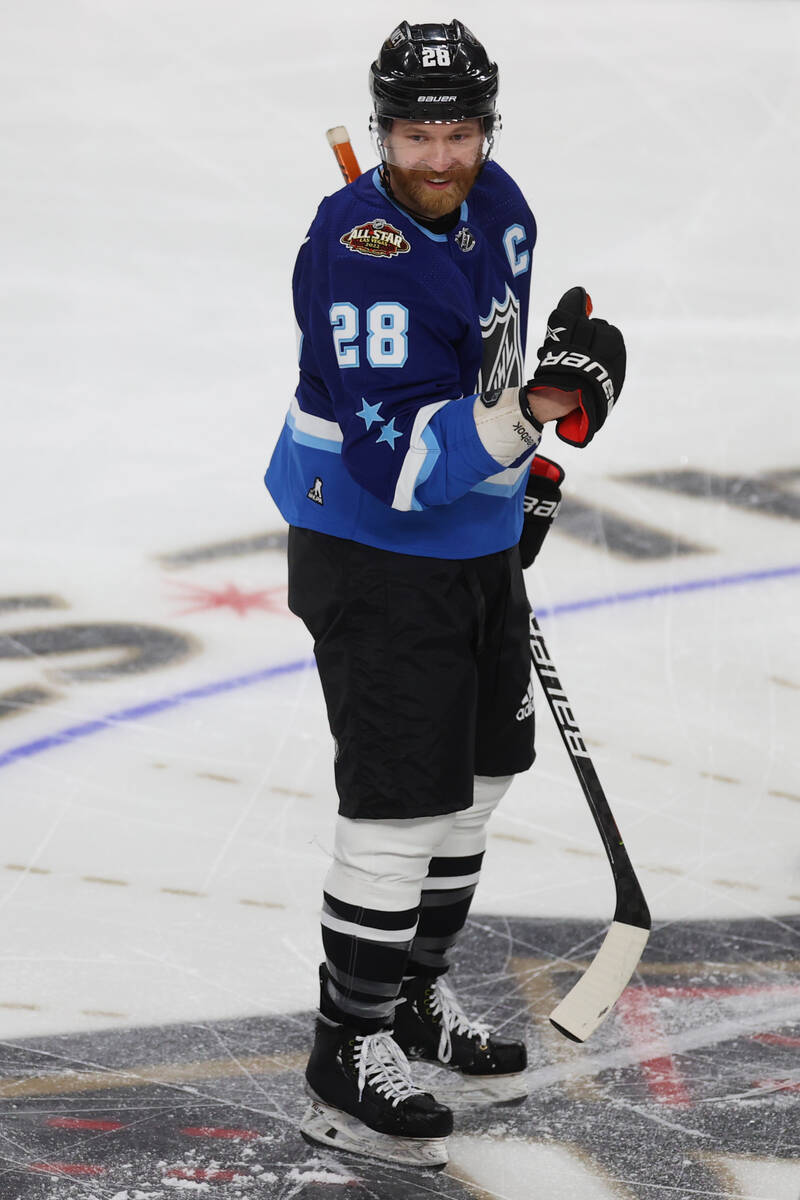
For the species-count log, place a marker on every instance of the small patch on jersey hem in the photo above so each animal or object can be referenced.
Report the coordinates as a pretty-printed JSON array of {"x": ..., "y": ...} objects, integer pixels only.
[
  {"x": 315, "y": 492},
  {"x": 377, "y": 238}
]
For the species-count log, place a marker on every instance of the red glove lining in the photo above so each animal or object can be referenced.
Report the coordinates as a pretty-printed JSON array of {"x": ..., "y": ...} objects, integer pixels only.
[
  {"x": 574, "y": 426},
  {"x": 547, "y": 469}
]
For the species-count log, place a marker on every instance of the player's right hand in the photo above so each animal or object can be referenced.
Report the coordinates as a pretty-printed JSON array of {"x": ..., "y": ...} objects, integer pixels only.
[{"x": 584, "y": 356}]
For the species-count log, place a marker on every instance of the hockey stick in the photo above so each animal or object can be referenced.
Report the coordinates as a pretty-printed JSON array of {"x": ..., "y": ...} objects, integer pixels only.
[
  {"x": 591, "y": 999},
  {"x": 601, "y": 985}
]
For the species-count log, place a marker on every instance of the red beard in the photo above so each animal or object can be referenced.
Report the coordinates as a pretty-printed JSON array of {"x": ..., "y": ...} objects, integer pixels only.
[{"x": 411, "y": 189}]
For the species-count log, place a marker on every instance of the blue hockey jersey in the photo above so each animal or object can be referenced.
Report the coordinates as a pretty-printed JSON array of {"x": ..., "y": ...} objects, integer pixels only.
[{"x": 399, "y": 328}]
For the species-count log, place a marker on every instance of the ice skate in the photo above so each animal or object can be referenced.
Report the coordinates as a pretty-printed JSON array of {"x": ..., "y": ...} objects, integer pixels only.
[
  {"x": 481, "y": 1069},
  {"x": 363, "y": 1100}
]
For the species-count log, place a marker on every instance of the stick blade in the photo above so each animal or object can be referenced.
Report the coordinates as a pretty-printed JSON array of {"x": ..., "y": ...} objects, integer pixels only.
[{"x": 590, "y": 1001}]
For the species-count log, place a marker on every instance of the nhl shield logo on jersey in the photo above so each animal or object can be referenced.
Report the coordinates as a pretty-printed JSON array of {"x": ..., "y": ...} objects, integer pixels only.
[
  {"x": 502, "y": 364},
  {"x": 377, "y": 238}
]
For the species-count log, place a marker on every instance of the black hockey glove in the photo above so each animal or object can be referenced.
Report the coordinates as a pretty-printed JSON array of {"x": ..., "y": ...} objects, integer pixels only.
[
  {"x": 582, "y": 353},
  {"x": 542, "y": 502}
]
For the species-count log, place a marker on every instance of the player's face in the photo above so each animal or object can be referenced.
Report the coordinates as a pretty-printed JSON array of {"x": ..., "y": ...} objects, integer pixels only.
[{"x": 433, "y": 166}]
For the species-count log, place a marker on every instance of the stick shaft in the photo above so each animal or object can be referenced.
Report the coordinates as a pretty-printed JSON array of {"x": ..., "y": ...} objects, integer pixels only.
[{"x": 631, "y": 905}]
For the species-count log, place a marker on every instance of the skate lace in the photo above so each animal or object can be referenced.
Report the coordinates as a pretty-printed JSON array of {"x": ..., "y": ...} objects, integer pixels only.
[
  {"x": 445, "y": 1005},
  {"x": 383, "y": 1065}
]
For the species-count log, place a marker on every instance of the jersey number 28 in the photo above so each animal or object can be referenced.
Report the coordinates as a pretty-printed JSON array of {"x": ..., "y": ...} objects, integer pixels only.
[{"x": 387, "y": 334}]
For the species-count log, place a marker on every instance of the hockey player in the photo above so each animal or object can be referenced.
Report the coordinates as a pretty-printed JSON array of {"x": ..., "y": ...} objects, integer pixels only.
[{"x": 401, "y": 470}]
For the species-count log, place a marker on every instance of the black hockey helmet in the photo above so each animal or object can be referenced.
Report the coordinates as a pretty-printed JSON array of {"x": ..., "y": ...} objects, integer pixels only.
[{"x": 433, "y": 73}]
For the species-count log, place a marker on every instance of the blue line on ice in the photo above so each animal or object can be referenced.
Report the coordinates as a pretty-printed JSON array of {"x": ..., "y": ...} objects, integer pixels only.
[
  {"x": 73, "y": 732},
  {"x": 671, "y": 589},
  {"x": 149, "y": 709}
]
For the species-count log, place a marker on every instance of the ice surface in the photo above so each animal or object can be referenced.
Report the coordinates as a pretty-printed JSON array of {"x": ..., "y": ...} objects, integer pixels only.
[{"x": 162, "y": 859}]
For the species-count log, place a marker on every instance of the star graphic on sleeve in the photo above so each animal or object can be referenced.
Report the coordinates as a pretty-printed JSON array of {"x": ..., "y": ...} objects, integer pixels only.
[
  {"x": 369, "y": 413},
  {"x": 389, "y": 434}
]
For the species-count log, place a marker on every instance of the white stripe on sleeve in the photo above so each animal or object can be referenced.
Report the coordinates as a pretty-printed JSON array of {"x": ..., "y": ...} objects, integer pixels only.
[{"x": 417, "y": 457}]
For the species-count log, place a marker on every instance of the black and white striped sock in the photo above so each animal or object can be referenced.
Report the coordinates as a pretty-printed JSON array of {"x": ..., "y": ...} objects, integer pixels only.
[
  {"x": 446, "y": 897},
  {"x": 366, "y": 950}
]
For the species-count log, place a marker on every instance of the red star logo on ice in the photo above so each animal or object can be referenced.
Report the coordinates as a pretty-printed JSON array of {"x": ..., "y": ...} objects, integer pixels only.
[{"x": 201, "y": 598}]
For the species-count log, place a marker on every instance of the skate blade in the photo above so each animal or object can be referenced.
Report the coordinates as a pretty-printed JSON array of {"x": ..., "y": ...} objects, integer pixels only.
[
  {"x": 327, "y": 1126},
  {"x": 463, "y": 1092}
]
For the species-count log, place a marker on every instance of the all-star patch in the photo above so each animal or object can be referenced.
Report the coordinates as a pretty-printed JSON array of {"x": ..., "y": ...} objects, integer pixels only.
[
  {"x": 377, "y": 238},
  {"x": 464, "y": 239}
]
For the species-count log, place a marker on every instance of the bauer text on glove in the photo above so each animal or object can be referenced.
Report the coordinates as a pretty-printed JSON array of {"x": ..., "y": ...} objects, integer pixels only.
[{"x": 540, "y": 506}]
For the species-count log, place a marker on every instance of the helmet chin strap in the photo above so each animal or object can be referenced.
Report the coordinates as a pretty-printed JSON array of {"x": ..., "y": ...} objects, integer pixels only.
[{"x": 385, "y": 180}]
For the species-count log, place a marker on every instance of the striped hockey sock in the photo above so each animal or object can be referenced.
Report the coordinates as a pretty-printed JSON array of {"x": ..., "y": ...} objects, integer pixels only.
[
  {"x": 366, "y": 950},
  {"x": 446, "y": 897}
]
